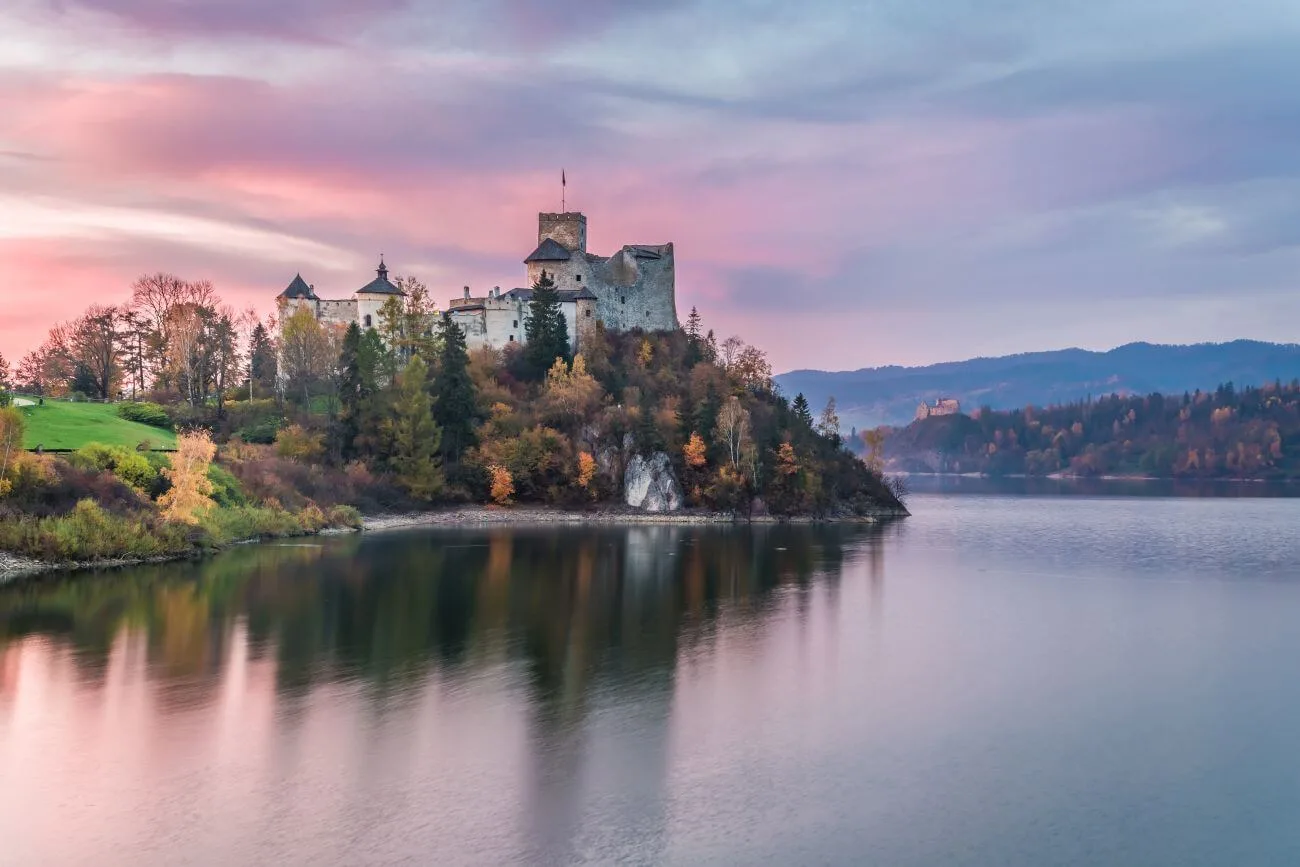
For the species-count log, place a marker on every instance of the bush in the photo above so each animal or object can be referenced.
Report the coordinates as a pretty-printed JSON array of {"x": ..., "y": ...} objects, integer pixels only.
[
  {"x": 131, "y": 467},
  {"x": 299, "y": 444},
  {"x": 151, "y": 414},
  {"x": 89, "y": 532},
  {"x": 226, "y": 491},
  {"x": 224, "y": 526},
  {"x": 263, "y": 431},
  {"x": 47, "y": 486},
  {"x": 344, "y": 516}
]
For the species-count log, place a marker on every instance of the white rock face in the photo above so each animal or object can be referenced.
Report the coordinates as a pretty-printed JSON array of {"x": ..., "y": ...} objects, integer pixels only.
[{"x": 649, "y": 484}]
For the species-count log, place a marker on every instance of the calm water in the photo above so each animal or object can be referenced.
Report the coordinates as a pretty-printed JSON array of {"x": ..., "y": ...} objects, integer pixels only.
[{"x": 999, "y": 680}]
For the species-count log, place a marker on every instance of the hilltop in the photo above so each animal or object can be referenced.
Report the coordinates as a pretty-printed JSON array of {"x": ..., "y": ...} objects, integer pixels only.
[{"x": 889, "y": 395}]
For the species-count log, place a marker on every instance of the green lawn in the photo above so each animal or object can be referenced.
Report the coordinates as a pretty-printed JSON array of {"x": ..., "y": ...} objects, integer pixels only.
[{"x": 65, "y": 425}]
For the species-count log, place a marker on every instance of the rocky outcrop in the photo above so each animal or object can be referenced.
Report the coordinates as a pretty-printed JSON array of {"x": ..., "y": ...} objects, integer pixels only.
[{"x": 649, "y": 484}]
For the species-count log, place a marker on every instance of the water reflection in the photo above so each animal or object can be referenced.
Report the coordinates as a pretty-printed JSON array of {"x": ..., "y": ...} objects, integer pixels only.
[
  {"x": 545, "y": 633},
  {"x": 576, "y": 607}
]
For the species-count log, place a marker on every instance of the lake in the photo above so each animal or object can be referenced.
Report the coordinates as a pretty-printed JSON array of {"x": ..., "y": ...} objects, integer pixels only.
[{"x": 1021, "y": 678}]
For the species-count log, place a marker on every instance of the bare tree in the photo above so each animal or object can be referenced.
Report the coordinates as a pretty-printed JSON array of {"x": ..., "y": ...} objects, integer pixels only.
[
  {"x": 733, "y": 430},
  {"x": 92, "y": 342}
]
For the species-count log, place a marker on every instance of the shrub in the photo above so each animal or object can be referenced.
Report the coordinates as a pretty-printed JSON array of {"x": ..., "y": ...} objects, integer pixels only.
[
  {"x": 89, "y": 532},
  {"x": 129, "y": 466},
  {"x": 223, "y": 526},
  {"x": 344, "y": 516},
  {"x": 299, "y": 444},
  {"x": 226, "y": 491},
  {"x": 263, "y": 431},
  {"x": 144, "y": 412},
  {"x": 47, "y": 486}
]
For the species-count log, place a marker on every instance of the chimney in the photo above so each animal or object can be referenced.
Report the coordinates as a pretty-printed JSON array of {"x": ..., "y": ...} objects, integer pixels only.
[
  {"x": 466, "y": 293},
  {"x": 496, "y": 291}
]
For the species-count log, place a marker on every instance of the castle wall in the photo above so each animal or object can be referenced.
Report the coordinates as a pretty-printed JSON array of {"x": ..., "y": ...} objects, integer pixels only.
[
  {"x": 337, "y": 312},
  {"x": 636, "y": 291}
]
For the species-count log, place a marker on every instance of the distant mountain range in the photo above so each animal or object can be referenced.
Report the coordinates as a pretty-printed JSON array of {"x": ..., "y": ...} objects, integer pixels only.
[{"x": 889, "y": 395}]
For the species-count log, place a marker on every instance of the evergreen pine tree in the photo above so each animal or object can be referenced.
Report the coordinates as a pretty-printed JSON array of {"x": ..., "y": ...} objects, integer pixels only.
[
  {"x": 647, "y": 429},
  {"x": 416, "y": 439},
  {"x": 545, "y": 331},
  {"x": 261, "y": 358},
  {"x": 343, "y": 431},
  {"x": 801, "y": 410},
  {"x": 693, "y": 325},
  {"x": 455, "y": 404},
  {"x": 694, "y": 341}
]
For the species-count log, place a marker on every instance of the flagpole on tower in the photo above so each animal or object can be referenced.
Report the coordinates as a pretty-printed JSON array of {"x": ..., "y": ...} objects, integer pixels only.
[{"x": 563, "y": 190}]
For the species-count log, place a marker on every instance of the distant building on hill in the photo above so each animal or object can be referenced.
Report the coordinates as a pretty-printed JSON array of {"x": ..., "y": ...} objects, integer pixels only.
[{"x": 942, "y": 406}]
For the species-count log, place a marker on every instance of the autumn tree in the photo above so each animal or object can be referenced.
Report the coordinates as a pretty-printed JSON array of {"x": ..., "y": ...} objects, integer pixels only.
[
  {"x": 190, "y": 495},
  {"x": 93, "y": 346},
  {"x": 416, "y": 438},
  {"x": 30, "y": 373},
  {"x": 572, "y": 394},
  {"x": 12, "y": 427},
  {"x": 5, "y": 382},
  {"x": 418, "y": 313},
  {"x": 829, "y": 423},
  {"x": 304, "y": 352},
  {"x": 545, "y": 330}
]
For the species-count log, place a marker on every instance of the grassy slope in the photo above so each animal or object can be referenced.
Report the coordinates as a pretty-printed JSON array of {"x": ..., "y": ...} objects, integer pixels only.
[{"x": 64, "y": 425}]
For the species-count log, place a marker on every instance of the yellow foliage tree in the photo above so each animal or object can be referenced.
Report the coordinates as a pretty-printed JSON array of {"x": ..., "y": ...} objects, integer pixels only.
[
  {"x": 586, "y": 469},
  {"x": 787, "y": 464},
  {"x": 190, "y": 494},
  {"x": 695, "y": 451},
  {"x": 12, "y": 426},
  {"x": 645, "y": 352},
  {"x": 503, "y": 486}
]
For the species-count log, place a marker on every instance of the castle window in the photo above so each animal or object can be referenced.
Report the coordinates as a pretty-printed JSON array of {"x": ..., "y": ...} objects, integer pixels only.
[
  {"x": 588, "y": 314},
  {"x": 514, "y": 323},
  {"x": 622, "y": 299},
  {"x": 512, "y": 338},
  {"x": 367, "y": 320},
  {"x": 578, "y": 278}
]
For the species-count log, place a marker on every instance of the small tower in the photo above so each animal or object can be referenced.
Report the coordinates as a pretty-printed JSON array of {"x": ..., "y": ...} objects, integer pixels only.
[
  {"x": 568, "y": 229},
  {"x": 372, "y": 296}
]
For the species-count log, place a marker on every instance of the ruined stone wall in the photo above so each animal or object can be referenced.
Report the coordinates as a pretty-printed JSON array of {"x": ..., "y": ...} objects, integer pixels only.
[{"x": 636, "y": 291}]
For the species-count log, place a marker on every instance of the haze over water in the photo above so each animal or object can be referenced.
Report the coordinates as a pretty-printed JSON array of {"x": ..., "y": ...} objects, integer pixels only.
[{"x": 996, "y": 680}]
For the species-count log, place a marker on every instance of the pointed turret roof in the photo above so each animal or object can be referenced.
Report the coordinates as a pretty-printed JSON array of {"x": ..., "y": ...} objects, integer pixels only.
[
  {"x": 298, "y": 289},
  {"x": 549, "y": 250},
  {"x": 380, "y": 285}
]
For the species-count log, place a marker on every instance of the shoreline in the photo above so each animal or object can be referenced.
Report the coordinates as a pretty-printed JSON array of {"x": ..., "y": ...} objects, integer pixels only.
[{"x": 14, "y": 567}]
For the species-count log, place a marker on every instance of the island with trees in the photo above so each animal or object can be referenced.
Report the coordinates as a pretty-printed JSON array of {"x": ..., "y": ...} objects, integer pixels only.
[{"x": 171, "y": 424}]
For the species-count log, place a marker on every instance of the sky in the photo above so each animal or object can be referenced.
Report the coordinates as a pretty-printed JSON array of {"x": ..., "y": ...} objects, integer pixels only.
[{"x": 848, "y": 184}]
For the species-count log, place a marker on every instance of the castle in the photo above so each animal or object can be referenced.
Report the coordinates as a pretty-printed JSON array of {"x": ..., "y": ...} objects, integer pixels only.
[
  {"x": 942, "y": 406},
  {"x": 634, "y": 288}
]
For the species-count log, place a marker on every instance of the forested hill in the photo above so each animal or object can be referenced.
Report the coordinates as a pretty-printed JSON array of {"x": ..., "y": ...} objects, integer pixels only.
[
  {"x": 889, "y": 395},
  {"x": 1250, "y": 433}
]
